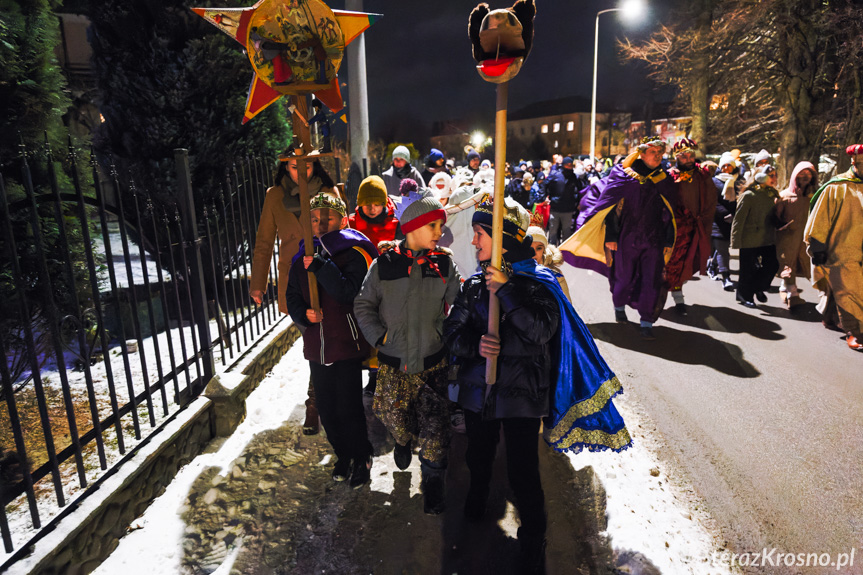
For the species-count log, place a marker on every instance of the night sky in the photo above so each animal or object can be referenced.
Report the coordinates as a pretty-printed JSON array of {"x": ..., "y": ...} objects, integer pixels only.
[{"x": 420, "y": 67}]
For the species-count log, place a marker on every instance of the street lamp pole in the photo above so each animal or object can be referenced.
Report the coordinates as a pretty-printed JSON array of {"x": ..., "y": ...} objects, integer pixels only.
[{"x": 593, "y": 97}]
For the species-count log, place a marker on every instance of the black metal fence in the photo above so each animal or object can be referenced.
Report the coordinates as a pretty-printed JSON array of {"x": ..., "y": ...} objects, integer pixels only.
[{"x": 115, "y": 316}]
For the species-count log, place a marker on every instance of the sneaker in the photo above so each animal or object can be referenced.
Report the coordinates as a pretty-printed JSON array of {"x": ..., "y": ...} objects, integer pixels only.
[
  {"x": 680, "y": 308},
  {"x": 759, "y": 295},
  {"x": 362, "y": 472},
  {"x": 342, "y": 470},
  {"x": 728, "y": 285},
  {"x": 745, "y": 302},
  {"x": 402, "y": 455},
  {"x": 647, "y": 333},
  {"x": 853, "y": 342},
  {"x": 620, "y": 316}
]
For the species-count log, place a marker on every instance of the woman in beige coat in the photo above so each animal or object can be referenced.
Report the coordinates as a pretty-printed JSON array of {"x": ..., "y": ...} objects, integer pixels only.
[
  {"x": 280, "y": 219},
  {"x": 792, "y": 210}
]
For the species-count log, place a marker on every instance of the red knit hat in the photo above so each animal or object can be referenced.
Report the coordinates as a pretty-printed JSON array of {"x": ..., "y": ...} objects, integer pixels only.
[{"x": 854, "y": 150}]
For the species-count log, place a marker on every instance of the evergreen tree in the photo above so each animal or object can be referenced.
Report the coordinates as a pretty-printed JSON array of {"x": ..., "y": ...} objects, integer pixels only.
[
  {"x": 34, "y": 99},
  {"x": 32, "y": 86},
  {"x": 168, "y": 79}
]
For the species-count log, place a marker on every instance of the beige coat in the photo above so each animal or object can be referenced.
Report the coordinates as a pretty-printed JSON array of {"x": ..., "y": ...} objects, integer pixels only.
[
  {"x": 277, "y": 220},
  {"x": 836, "y": 222},
  {"x": 793, "y": 209}
]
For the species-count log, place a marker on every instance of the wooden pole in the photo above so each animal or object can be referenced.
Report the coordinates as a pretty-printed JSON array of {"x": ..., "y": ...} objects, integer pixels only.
[
  {"x": 301, "y": 128},
  {"x": 497, "y": 220}
]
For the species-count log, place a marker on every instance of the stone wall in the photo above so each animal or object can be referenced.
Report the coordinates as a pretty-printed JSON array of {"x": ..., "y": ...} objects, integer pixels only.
[{"x": 87, "y": 535}]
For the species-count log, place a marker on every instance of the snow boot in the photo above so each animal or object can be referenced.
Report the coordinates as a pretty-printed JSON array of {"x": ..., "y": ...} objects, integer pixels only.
[
  {"x": 402, "y": 455},
  {"x": 311, "y": 425},
  {"x": 433, "y": 486}
]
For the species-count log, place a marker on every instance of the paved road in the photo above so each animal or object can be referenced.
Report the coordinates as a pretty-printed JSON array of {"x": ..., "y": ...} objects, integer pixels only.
[{"x": 763, "y": 410}]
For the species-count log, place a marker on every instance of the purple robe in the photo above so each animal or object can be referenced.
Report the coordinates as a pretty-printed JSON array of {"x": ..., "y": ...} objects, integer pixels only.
[{"x": 646, "y": 226}]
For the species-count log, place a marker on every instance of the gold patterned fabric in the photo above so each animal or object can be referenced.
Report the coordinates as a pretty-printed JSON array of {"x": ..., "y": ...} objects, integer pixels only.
[
  {"x": 589, "y": 406},
  {"x": 414, "y": 407}
]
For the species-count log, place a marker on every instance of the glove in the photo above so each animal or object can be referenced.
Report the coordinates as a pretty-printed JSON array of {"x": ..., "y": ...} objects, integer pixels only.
[{"x": 819, "y": 258}]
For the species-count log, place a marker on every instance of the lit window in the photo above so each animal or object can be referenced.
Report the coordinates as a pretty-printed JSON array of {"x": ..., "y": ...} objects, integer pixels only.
[
  {"x": 557, "y": 127},
  {"x": 544, "y": 129},
  {"x": 570, "y": 126},
  {"x": 555, "y": 144}
]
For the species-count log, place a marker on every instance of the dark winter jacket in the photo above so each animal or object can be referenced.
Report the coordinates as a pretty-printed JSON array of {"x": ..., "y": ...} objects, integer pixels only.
[
  {"x": 721, "y": 224},
  {"x": 529, "y": 320},
  {"x": 515, "y": 190},
  {"x": 563, "y": 188},
  {"x": 405, "y": 297},
  {"x": 342, "y": 259}
]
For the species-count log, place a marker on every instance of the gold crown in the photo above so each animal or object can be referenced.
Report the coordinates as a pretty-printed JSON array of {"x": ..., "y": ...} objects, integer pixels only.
[
  {"x": 650, "y": 142},
  {"x": 327, "y": 201}
]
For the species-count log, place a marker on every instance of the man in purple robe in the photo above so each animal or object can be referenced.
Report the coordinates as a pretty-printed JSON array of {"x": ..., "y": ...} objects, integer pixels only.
[{"x": 628, "y": 233}]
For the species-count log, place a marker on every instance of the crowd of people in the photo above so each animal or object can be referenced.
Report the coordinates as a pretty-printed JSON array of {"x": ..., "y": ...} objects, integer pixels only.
[
  {"x": 404, "y": 287},
  {"x": 676, "y": 215}
]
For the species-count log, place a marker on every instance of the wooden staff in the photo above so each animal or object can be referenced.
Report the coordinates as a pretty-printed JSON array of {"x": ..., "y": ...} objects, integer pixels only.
[
  {"x": 301, "y": 128},
  {"x": 497, "y": 221}
]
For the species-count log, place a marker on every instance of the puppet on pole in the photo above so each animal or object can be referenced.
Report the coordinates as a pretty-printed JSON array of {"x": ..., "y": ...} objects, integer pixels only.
[
  {"x": 501, "y": 41},
  {"x": 295, "y": 48}
]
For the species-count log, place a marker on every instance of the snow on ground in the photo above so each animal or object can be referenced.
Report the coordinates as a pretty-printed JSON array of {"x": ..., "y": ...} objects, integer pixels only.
[
  {"x": 18, "y": 513},
  {"x": 161, "y": 528},
  {"x": 650, "y": 508},
  {"x": 656, "y": 515}
]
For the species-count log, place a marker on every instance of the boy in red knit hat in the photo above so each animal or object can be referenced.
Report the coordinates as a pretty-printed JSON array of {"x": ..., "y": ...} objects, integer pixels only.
[{"x": 400, "y": 308}]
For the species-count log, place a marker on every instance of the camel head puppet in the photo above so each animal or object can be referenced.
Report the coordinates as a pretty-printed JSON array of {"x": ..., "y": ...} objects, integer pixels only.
[{"x": 501, "y": 39}]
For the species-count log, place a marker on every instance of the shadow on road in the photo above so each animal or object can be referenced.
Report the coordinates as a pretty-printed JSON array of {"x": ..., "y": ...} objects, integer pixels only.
[
  {"x": 687, "y": 347},
  {"x": 728, "y": 319},
  {"x": 804, "y": 312}
]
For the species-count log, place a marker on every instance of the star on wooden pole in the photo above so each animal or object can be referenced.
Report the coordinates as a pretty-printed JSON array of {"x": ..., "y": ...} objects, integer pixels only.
[{"x": 295, "y": 47}]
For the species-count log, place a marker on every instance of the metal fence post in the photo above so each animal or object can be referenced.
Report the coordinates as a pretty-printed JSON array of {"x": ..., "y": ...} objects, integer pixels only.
[{"x": 192, "y": 244}]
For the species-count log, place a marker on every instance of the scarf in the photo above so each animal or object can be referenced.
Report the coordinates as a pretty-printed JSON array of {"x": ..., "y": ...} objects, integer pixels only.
[{"x": 402, "y": 172}]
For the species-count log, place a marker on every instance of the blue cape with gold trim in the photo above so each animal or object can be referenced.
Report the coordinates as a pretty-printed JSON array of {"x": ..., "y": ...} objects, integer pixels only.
[{"x": 581, "y": 413}]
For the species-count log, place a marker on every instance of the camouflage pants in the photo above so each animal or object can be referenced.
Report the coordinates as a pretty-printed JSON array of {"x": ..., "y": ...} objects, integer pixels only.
[{"x": 414, "y": 407}]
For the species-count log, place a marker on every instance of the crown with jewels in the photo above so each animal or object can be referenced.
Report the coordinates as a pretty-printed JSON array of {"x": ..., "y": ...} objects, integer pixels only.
[
  {"x": 651, "y": 142},
  {"x": 516, "y": 219},
  {"x": 684, "y": 145},
  {"x": 329, "y": 202}
]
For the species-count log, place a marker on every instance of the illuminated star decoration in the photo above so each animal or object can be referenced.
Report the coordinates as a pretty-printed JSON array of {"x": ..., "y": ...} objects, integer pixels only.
[{"x": 295, "y": 47}]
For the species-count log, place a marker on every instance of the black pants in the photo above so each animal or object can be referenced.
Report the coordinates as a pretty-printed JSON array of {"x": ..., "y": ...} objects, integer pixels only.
[
  {"x": 756, "y": 275},
  {"x": 339, "y": 398},
  {"x": 521, "y": 437}
]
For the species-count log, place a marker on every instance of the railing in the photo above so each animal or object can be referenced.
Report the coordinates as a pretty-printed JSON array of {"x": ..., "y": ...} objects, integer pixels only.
[{"x": 116, "y": 318}]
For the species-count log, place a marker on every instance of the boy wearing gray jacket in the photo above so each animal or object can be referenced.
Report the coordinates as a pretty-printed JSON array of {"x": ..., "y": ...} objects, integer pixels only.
[{"x": 400, "y": 309}]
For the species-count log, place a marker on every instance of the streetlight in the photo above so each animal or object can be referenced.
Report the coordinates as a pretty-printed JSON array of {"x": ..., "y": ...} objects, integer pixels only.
[
  {"x": 477, "y": 139},
  {"x": 631, "y": 9}
]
